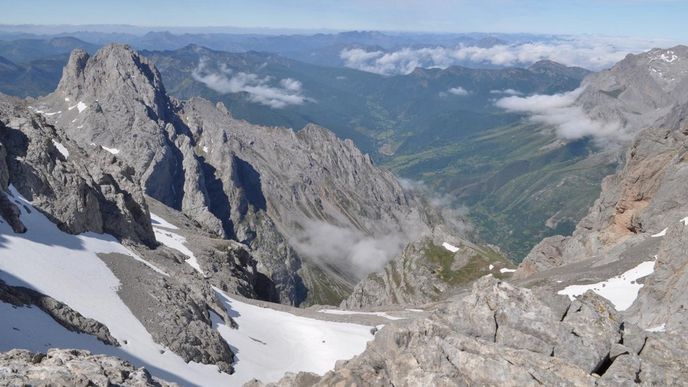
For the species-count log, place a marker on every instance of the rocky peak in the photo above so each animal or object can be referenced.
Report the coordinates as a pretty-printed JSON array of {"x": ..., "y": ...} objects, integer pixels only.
[{"x": 114, "y": 74}]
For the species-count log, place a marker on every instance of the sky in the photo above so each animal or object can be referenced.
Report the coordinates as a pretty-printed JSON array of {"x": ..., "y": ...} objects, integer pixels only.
[{"x": 638, "y": 18}]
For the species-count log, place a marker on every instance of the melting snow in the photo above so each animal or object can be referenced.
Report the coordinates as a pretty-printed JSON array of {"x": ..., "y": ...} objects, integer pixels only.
[
  {"x": 491, "y": 267},
  {"x": 669, "y": 57},
  {"x": 48, "y": 113},
  {"x": 114, "y": 151},
  {"x": 685, "y": 221},
  {"x": 450, "y": 247},
  {"x": 61, "y": 148},
  {"x": 415, "y": 310},
  {"x": 79, "y": 106},
  {"x": 205, "y": 149},
  {"x": 658, "y": 328},
  {"x": 621, "y": 290},
  {"x": 174, "y": 241},
  {"x": 505, "y": 270},
  {"x": 660, "y": 234},
  {"x": 271, "y": 342},
  {"x": 354, "y": 312}
]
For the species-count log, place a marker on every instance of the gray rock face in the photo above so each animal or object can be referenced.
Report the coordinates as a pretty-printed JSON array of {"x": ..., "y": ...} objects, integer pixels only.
[
  {"x": 94, "y": 191},
  {"x": 269, "y": 188},
  {"x": 65, "y": 367},
  {"x": 79, "y": 191},
  {"x": 283, "y": 187},
  {"x": 175, "y": 310},
  {"x": 638, "y": 91},
  {"x": 503, "y": 335},
  {"x": 60, "y": 312},
  {"x": 639, "y": 215}
]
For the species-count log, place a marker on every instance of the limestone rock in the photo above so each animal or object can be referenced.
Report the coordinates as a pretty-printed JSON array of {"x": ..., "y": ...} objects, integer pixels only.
[{"x": 71, "y": 367}]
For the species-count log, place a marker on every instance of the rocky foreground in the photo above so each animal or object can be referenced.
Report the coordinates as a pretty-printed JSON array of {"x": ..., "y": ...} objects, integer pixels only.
[
  {"x": 503, "y": 335},
  {"x": 71, "y": 367}
]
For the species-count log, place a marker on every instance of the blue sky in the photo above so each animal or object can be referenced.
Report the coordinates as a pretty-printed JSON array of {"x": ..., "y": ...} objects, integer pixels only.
[{"x": 640, "y": 18}]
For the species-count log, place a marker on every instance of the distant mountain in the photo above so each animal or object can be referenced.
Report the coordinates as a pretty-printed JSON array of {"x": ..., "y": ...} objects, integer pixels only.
[
  {"x": 26, "y": 50},
  {"x": 34, "y": 78}
]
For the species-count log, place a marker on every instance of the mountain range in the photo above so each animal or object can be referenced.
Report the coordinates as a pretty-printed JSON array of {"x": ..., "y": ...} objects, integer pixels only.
[
  {"x": 152, "y": 236},
  {"x": 439, "y": 128}
]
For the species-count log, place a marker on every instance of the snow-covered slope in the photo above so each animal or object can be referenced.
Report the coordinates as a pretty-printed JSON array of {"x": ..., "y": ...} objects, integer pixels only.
[
  {"x": 67, "y": 268},
  {"x": 271, "y": 342}
]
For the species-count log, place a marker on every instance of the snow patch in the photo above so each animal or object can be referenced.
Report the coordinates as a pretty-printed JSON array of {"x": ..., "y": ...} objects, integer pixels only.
[
  {"x": 176, "y": 241},
  {"x": 684, "y": 221},
  {"x": 621, "y": 290},
  {"x": 79, "y": 106},
  {"x": 272, "y": 342},
  {"x": 415, "y": 310},
  {"x": 355, "y": 312},
  {"x": 450, "y": 247},
  {"x": 205, "y": 149},
  {"x": 505, "y": 270},
  {"x": 61, "y": 148},
  {"x": 490, "y": 267},
  {"x": 658, "y": 328},
  {"x": 660, "y": 234},
  {"x": 114, "y": 151}
]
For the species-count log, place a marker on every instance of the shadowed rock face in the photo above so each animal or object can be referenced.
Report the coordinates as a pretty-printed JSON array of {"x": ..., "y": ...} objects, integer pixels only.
[{"x": 264, "y": 187}]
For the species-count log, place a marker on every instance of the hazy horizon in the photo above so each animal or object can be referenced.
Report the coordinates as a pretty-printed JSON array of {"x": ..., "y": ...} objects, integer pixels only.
[{"x": 637, "y": 18}]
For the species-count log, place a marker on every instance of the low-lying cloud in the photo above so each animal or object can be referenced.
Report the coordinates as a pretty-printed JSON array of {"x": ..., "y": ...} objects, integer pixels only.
[
  {"x": 352, "y": 252},
  {"x": 569, "y": 119},
  {"x": 356, "y": 254},
  {"x": 590, "y": 52},
  {"x": 460, "y": 91},
  {"x": 287, "y": 92}
]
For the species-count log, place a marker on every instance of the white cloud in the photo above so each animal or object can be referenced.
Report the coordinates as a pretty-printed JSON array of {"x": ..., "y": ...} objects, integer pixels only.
[
  {"x": 460, "y": 91},
  {"x": 351, "y": 251},
  {"x": 569, "y": 119},
  {"x": 591, "y": 52},
  {"x": 259, "y": 90},
  {"x": 506, "y": 92}
]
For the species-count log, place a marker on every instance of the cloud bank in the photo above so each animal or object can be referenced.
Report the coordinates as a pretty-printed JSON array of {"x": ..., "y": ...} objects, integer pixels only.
[
  {"x": 590, "y": 52},
  {"x": 259, "y": 89},
  {"x": 349, "y": 250},
  {"x": 569, "y": 119}
]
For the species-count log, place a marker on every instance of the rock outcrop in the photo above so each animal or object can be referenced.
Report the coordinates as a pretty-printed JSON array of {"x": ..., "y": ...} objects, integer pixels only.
[
  {"x": 69, "y": 367},
  {"x": 427, "y": 271},
  {"x": 503, "y": 335},
  {"x": 80, "y": 191}
]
